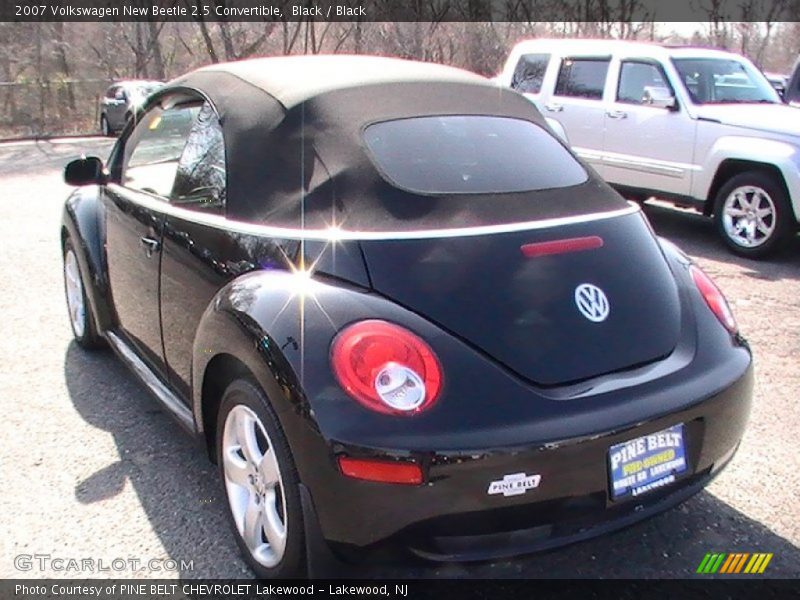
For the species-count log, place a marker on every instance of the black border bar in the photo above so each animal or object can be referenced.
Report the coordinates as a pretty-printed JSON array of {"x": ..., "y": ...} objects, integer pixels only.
[
  {"x": 399, "y": 10},
  {"x": 584, "y": 589}
]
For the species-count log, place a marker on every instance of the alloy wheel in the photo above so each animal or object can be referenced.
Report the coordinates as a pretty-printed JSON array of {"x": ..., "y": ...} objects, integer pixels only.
[
  {"x": 75, "y": 297},
  {"x": 749, "y": 216},
  {"x": 254, "y": 486}
]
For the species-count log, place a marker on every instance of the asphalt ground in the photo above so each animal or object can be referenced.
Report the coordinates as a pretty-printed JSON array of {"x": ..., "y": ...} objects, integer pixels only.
[{"x": 93, "y": 468}]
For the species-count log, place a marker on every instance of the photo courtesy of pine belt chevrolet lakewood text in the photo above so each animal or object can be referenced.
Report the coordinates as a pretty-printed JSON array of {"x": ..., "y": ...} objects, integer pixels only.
[{"x": 401, "y": 315}]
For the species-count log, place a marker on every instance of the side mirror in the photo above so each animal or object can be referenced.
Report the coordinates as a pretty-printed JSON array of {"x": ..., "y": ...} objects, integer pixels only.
[
  {"x": 85, "y": 171},
  {"x": 659, "y": 97}
]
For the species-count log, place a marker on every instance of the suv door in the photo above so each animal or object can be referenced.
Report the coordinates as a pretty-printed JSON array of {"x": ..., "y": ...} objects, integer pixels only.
[
  {"x": 577, "y": 103},
  {"x": 143, "y": 172},
  {"x": 645, "y": 146}
]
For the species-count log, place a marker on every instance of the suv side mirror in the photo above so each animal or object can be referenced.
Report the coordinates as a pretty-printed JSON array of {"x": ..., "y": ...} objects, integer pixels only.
[
  {"x": 85, "y": 171},
  {"x": 659, "y": 97}
]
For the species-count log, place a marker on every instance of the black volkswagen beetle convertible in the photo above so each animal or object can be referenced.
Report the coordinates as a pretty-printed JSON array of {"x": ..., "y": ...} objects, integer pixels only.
[{"x": 400, "y": 314}]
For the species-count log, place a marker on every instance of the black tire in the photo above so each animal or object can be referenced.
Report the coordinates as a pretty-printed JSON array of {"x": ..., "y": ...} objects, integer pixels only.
[
  {"x": 767, "y": 192},
  {"x": 83, "y": 326},
  {"x": 105, "y": 127},
  {"x": 246, "y": 393}
]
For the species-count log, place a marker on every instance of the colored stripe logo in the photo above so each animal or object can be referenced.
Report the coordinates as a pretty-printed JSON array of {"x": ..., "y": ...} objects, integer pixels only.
[{"x": 735, "y": 563}]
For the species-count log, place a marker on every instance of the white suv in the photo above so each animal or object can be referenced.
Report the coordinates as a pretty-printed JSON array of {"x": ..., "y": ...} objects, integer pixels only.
[{"x": 694, "y": 126}]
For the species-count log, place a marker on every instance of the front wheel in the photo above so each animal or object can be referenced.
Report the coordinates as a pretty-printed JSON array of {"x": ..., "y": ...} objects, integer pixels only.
[
  {"x": 80, "y": 317},
  {"x": 260, "y": 482},
  {"x": 753, "y": 215}
]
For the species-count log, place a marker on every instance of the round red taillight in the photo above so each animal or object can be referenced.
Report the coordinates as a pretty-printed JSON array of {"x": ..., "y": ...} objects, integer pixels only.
[
  {"x": 714, "y": 298},
  {"x": 386, "y": 367}
]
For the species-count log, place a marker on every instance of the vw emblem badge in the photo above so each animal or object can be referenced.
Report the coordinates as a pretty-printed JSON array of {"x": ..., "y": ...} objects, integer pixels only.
[{"x": 592, "y": 302}]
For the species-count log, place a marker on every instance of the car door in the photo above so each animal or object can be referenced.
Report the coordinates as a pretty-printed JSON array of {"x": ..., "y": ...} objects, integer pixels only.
[
  {"x": 109, "y": 103},
  {"x": 196, "y": 256},
  {"x": 143, "y": 173},
  {"x": 792, "y": 93},
  {"x": 647, "y": 147},
  {"x": 117, "y": 108},
  {"x": 577, "y": 104}
]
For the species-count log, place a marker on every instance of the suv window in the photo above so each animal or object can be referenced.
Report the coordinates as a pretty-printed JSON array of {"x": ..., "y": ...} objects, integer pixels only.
[
  {"x": 636, "y": 78},
  {"x": 529, "y": 73},
  {"x": 582, "y": 77},
  {"x": 200, "y": 178},
  {"x": 112, "y": 92},
  {"x": 724, "y": 81},
  {"x": 154, "y": 148},
  {"x": 470, "y": 154}
]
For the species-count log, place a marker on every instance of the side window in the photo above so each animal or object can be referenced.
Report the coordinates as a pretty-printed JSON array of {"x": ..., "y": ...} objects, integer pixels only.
[
  {"x": 582, "y": 78},
  {"x": 200, "y": 180},
  {"x": 639, "y": 81},
  {"x": 529, "y": 73},
  {"x": 154, "y": 148},
  {"x": 111, "y": 92}
]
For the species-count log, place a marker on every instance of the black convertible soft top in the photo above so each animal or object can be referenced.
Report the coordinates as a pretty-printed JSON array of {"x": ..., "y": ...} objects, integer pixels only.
[{"x": 297, "y": 157}]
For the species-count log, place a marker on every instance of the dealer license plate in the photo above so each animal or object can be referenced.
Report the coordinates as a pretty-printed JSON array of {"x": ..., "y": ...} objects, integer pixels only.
[{"x": 646, "y": 463}]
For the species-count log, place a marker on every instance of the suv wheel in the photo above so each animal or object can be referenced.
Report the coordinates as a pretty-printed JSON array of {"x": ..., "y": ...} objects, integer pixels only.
[
  {"x": 753, "y": 215},
  {"x": 260, "y": 482}
]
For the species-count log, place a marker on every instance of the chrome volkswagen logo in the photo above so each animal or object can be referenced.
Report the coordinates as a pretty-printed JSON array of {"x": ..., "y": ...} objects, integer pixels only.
[{"x": 592, "y": 302}]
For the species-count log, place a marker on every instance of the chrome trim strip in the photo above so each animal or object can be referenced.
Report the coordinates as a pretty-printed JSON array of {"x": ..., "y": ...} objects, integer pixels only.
[
  {"x": 677, "y": 170},
  {"x": 591, "y": 156},
  {"x": 334, "y": 234},
  {"x": 168, "y": 399}
]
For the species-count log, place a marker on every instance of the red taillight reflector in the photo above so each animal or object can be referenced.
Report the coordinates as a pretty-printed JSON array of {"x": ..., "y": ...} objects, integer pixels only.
[
  {"x": 561, "y": 246},
  {"x": 381, "y": 470},
  {"x": 714, "y": 298},
  {"x": 387, "y": 368}
]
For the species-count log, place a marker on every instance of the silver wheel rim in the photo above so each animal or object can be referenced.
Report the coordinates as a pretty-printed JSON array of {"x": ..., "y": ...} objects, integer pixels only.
[
  {"x": 75, "y": 304},
  {"x": 254, "y": 485},
  {"x": 749, "y": 216}
]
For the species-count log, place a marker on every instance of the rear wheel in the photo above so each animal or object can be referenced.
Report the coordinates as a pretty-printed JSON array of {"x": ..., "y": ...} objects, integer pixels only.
[
  {"x": 260, "y": 483},
  {"x": 753, "y": 215},
  {"x": 80, "y": 317}
]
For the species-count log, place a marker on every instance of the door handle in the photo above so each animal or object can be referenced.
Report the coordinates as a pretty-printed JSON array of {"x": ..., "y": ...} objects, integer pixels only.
[
  {"x": 553, "y": 107},
  {"x": 150, "y": 245},
  {"x": 616, "y": 114}
]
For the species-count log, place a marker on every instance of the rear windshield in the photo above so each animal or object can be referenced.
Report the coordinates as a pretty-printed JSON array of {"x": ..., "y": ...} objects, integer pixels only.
[{"x": 471, "y": 154}]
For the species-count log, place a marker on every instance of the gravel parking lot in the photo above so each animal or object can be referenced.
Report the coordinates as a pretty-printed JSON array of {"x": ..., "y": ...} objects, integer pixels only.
[{"x": 92, "y": 468}]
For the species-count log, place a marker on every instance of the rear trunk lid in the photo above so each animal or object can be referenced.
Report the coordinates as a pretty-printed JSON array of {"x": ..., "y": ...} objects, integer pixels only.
[{"x": 540, "y": 315}]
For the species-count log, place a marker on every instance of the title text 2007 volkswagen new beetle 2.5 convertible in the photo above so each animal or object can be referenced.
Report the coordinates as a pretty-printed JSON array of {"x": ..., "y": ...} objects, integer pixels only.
[{"x": 403, "y": 318}]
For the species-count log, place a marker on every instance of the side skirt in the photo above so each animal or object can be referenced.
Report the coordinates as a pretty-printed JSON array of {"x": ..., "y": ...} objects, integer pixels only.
[{"x": 165, "y": 396}]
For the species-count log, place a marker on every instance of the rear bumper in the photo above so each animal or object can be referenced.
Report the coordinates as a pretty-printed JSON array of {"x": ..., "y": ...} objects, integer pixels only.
[
  {"x": 451, "y": 517},
  {"x": 558, "y": 531}
]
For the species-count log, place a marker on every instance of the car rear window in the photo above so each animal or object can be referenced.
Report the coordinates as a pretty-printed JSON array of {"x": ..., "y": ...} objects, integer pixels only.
[{"x": 470, "y": 154}]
